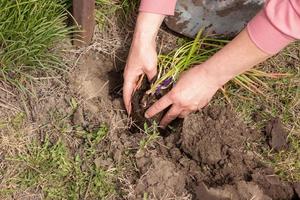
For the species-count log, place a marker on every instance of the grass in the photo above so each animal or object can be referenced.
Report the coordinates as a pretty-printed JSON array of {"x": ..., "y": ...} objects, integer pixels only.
[
  {"x": 51, "y": 169},
  {"x": 152, "y": 134},
  {"x": 107, "y": 9},
  {"x": 286, "y": 163},
  {"x": 29, "y": 31},
  {"x": 12, "y": 134}
]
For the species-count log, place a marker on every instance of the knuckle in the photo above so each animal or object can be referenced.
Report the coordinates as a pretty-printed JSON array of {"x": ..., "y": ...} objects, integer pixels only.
[{"x": 149, "y": 69}]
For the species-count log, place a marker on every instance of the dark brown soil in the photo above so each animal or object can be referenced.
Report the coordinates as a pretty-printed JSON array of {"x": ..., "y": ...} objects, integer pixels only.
[{"x": 141, "y": 102}]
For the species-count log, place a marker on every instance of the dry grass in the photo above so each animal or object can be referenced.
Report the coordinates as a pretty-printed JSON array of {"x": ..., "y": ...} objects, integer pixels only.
[{"x": 15, "y": 134}]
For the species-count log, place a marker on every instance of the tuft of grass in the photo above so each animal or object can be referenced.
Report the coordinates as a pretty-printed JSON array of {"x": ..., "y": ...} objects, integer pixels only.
[
  {"x": 129, "y": 6},
  {"x": 195, "y": 52},
  {"x": 29, "y": 31},
  {"x": 91, "y": 139},
  {"x": 106, "y": 9},
  {"x": 12, "y": 135},
  {"x": 152, "y": 134},
  {"x": 53, "y": 170}
]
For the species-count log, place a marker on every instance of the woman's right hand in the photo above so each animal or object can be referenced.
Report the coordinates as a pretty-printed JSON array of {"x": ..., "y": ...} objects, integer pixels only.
[{"x": 142, "y": 58}]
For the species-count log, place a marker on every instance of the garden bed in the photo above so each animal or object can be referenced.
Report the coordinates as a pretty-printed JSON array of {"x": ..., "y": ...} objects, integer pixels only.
[
  {"x": 70, "y": 137},
  {"x": 211, "y": 154}
]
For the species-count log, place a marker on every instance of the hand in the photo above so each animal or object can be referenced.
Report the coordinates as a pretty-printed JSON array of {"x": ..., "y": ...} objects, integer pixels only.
[
  {"x": 192, "y": 92},
  {"x": 142, "y": 59},
  {"x": 198, "y": 85}
]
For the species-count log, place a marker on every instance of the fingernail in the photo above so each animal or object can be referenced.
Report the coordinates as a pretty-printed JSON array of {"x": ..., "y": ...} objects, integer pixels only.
[{"x": 147, "y": 115}]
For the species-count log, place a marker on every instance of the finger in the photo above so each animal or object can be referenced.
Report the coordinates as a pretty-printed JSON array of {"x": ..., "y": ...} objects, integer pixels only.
[
  {"x": 158, "y": 106},
  {"x": 128, "y": 89},
  {"x": 184, "y": 113},
  {"x": 170, "y": 116},
  {"x": 139, "y": 83}
]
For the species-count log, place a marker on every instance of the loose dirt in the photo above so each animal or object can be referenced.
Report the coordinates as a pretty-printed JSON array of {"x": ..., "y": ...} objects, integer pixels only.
[
  {"x": 209, "y": 159},
  {"x": 212, "y": 156}
]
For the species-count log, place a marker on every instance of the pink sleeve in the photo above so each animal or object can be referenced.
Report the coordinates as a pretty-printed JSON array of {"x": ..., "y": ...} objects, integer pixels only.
[
  {"x": 277, "y": 25},
  {"x": 164, "y": 7}
]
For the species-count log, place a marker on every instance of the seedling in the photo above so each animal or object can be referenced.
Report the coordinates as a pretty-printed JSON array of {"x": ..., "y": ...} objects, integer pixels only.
[
  {"x": 152, "y": 134},
  {"x": 73, "y": 103},
  {"x": 195, "y": 52}
]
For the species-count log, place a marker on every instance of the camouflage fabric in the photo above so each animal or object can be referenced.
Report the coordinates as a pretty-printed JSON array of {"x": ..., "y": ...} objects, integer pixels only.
[{"x": 225, "y": 17}]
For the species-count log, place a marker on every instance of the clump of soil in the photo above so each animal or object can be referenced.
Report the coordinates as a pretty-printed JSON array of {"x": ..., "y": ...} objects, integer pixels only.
[
  {"x": 276, "y": 135},
  {"x": 209, "y": 159}
]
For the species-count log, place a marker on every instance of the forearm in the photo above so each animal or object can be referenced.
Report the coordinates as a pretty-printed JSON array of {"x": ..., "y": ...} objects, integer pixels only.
[
  {"x": 147, "y": 27},
  {"x": 238, "y": 56}
]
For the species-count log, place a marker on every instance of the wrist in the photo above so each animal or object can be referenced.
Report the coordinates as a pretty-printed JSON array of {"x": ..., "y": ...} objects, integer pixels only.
[
  {"x": 212, "y": 76},
  {"x": 147, "y": 27},
  {"x": 145, "y": 38}
]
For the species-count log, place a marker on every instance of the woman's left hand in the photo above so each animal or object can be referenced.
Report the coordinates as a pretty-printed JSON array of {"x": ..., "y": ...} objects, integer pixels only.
[{"x": 192, "y": 92}]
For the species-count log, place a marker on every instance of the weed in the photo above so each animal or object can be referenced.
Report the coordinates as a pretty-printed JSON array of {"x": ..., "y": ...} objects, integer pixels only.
[
  {"x": 145, "y": 196},
  {"x": 74, "y": 104},
  {"x": 91, "y": 139},
  {"x": 29, "y": 30},
  {"x": 152, "y": 134}
]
